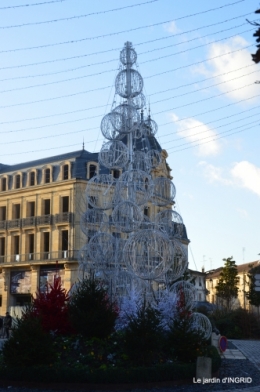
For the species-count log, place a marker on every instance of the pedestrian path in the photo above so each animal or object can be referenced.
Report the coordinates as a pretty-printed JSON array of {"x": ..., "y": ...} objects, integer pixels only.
[
  {"x": 233, "y": 354},
  {"x": 250, "y": 349}
]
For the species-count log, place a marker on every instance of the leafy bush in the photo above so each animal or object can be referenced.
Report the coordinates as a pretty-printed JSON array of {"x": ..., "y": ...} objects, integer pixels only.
[
  {"x": 143, "y": 336},
  {"x": 236, "y": 324},
  {"x": 91, "y": 312},
  {"x": 212, "y": 352},
  {"x": 29, "y": 345},
  {"x": 183, "y": 343}
]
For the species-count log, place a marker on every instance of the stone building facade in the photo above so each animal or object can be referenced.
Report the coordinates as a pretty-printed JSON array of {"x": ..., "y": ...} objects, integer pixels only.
[{"x": 41, "y": 203}]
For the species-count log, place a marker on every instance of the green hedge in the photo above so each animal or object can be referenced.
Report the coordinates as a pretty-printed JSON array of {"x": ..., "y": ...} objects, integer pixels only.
[{"x": 55, "y": 373}]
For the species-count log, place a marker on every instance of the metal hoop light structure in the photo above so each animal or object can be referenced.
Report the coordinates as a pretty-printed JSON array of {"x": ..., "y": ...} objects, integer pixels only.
[
  {"x": 127, "y": 216},
  {"x": 114, "y": 155},
  {"x": 148, "y": 254},
  {"x": 122, "y": 83},
  {"x": 201, "y": 323},
  {"x": 134, "y": 185},
  {"x": 164, "y": 191},
  {"x": 100, "y": 191}
]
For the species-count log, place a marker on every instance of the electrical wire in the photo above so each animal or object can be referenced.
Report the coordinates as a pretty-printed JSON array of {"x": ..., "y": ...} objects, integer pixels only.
[
  {"x": 31, "y": 5},
  {"x": 98, "y": 116},
  {"x": 161, "y": 73},
  {"x": 112, "y": 10},
  {"x": 116, "y": 49},
  {"x": 116, "y": 33},
  {"x": 106, "y": 62}
]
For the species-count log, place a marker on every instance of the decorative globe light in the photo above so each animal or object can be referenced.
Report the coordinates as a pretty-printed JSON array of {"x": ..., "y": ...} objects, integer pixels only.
[
  {"x": 134, "y": 185},
  {"x": 149, "y": 127},
  {"x": 140, "y": 161},
  {"x": 179, "y": 263},
  {"x": 148, "y": 254},
  {"x": 93, "y": 219},
  {"x": 126, "y": 89},
  {"x": 127, "y": 216},
  {"x": 139, "y": 101},
  {"x": 83, "y": 254},
  {"x": 128, "y": 55},
  {"x": 128, "y": 118},
  {"x": 114, "y": 155},
  {"x": 186, "y": 291},
  {"x": 154, "y": 158},
  {"x": 100, "y": 191},
  {"x": 164, "y": 191},
  {"x": 170, "y": 222},
  {"x": 201, "y": 323},
  {"x": 111, "y": 125},
  {"x": 101, "y": 249}
]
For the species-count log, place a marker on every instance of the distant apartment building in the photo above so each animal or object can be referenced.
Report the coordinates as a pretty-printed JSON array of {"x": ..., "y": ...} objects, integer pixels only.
[{"x": 212, "y": 279}]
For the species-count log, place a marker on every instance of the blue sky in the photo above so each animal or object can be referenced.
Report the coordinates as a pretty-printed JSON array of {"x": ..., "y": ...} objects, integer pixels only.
[{"x": 57, "y": 82}]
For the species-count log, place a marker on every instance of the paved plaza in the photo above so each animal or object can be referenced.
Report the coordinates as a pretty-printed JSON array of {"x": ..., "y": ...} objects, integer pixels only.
[{"x": 250, "y": 349}]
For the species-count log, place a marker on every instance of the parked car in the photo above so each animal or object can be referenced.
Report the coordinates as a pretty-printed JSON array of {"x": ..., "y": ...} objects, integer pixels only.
[{"x": 204, "y": 306}]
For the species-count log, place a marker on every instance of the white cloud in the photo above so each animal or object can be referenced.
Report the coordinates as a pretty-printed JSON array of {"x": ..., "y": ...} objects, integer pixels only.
[
  {"x": 247, "y": 176},
  {"x": 243, "y": 174},
  {"x": 195, "y": 132},
  {"x": 171, "y": 27},
  {"x": 224, "y": 62},
  {"x": 214, "y": 174},
  {"x": 243, "y": 213}
]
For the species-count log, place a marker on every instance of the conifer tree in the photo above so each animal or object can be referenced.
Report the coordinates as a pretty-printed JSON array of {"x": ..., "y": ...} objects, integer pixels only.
[{"x": 227, "y": 287}]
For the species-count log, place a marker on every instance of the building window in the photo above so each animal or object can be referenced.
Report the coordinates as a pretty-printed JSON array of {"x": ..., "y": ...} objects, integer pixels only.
[
  {"x": 115, "y": 173},
  {"x": 46, "y": 245},
  {"x": 65, "y": 204},
  {"x": 200, "y": 284},
  {"x": 31, "y": 246},
  {"x": 2, "y": 213},
  {"x": 31, "y": 208},
  {"x": 65, "y": 172},
  {"x": 32, "y": 178},
  {"x": 46, "y": 207},
  {"x": 47, "y": 178},
  {"x": 16, "y": 247},
  {"x": 2, "y": 249},
  {"x": 146, "y": 211},
  {"x": 64, "y": 243},
  {"x": 16, "y": 211},
  {"x": 4, "y": 184},
  {"x": 17, "y": 181},
  {"x": 92, "y": 171}
]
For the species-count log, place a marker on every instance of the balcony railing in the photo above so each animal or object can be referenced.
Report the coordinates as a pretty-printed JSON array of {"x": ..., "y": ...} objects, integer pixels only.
[
  {"x": 2, "y": 225},
  {"x": 44, "y": 220},
  {"x": 40, "y": 257},
  {"x": 64, "y": 217},
  {"x": 14, "y": 224},
  {"x": 31, "y": 221}
]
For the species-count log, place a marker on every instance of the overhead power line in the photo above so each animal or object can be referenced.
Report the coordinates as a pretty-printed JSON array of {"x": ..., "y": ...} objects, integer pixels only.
[
  {"x": 100, "y": 115},
  {"x": 190, "y": 146},
  {"x": 105, "y": 62},
  {"x": 212, "y": 140},
  {"x": 116, "y": 49},
  {"x": 112, "y": 10},
  {"x": 31, "y": 5},
  {"x": 82, "y": 77},
  {"x": 116, "y": 33}
]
